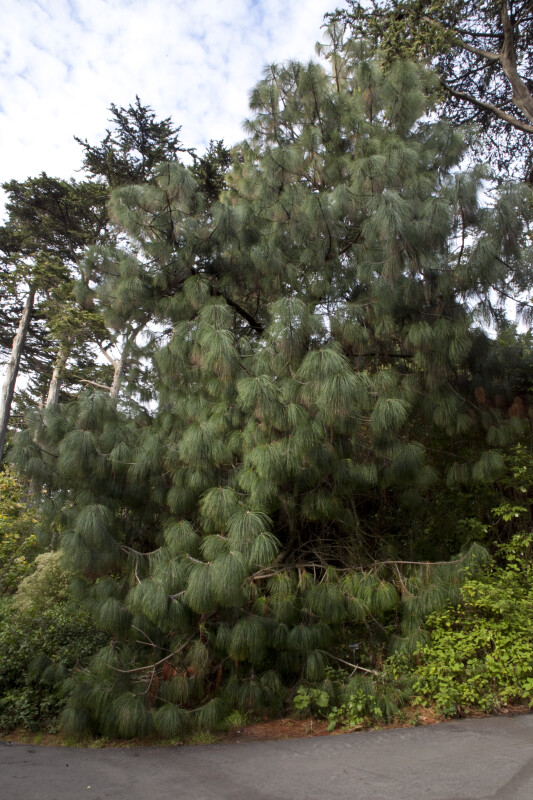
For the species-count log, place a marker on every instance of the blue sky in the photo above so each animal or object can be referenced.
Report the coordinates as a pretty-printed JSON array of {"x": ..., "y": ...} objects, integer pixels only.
[{"x": 63, "y": 62}]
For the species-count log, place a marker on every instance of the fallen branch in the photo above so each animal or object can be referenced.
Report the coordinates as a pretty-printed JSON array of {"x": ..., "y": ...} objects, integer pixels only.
[
  {"x": 157, "y": 663},
  {"x": 354, "y": 666}
]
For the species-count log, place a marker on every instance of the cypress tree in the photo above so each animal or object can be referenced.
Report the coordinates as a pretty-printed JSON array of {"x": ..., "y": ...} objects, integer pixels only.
[{"x": 312, "y": 346}]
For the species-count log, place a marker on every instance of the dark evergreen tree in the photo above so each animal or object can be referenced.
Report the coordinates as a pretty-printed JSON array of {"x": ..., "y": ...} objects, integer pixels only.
[
  {"x": 209, "y": 169},
  {"x": 111, "y": 281},
  {"x": 313, "y": 339}
]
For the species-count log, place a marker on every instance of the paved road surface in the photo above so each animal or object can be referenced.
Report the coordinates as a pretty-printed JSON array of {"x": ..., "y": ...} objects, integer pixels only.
[{"x": 477, "y": 759}]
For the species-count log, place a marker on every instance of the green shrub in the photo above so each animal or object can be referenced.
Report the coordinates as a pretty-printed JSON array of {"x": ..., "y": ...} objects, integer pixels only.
[
  {"x": 47, "y": 586},
  {"x": 356, "y": 700},
  {"x": 38, "y": 648},
  {"x": 481, "y": 652},
  {"x": 42, "y": 635}
]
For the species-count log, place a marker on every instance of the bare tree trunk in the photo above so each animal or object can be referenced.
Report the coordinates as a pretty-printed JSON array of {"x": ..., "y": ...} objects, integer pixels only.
[
  {"x": 118, "y": 364},
  {"x": 57, "y": 376},
  {"x": 118, "y": 367},
  {"x": 8, "y": 389}
]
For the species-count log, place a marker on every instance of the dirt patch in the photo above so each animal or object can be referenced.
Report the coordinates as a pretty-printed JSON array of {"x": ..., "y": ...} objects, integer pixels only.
[
  {"x": 278, "y": 729},
  {"x": 412, "y": 716},
  {"x": 267, "y": 730},
  {"x": 21, "y": 736},
  {"x": 303, "y": 728}
]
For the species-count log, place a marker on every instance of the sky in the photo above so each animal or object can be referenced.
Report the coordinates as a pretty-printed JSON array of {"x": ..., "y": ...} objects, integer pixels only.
[{"x": 63, "y": 62}]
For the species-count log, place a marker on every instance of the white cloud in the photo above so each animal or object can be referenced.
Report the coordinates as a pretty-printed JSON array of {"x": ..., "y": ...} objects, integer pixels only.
[{"x": 63, "y": 62}]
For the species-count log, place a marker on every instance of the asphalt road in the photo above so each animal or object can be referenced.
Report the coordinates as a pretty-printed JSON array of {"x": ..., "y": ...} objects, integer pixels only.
[{"x": 476, "y": 759}]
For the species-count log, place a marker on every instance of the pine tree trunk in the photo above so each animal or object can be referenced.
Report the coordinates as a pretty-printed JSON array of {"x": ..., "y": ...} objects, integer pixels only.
[
  {"x": 13, "y": 365},
  {"x": 57, "y": 376}
]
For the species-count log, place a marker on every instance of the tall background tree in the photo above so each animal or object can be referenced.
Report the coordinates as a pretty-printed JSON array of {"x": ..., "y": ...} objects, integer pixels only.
[
  {"x": 50, "y": 225},
  {"x": 135, "y": 144}
]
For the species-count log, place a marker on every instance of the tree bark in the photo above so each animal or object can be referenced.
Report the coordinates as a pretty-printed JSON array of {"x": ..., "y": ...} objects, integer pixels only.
[
  {"x": 56, "y": 380},
  {"x": 8, "y": 389},
  {"x": 522, "y": 97}
]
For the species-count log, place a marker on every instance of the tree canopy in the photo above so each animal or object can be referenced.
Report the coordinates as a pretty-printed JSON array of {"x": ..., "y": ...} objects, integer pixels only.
[
  {"x": 483, "y": 54},
  {"x": 132, "y": 147}
]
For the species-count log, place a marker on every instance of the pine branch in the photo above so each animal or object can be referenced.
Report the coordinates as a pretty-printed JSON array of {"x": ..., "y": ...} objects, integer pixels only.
[
  {"x": 488, "y": 54},
  {"x": 463, "y": 399},
  {"x": 459, "y": 560},
  {"x": 354, "y": 666},
  {"x": 149, "y": 642},
  {"x": 149, "y": 686},
  {"x": 516, "y": 123},
  {"x": 521, "y": 303},
  {"x": 473, "y": 34},
  {"x": 256, "y": 326},
  {"x": 106, "y": 355},
  {"x": 157, "y": 663}
]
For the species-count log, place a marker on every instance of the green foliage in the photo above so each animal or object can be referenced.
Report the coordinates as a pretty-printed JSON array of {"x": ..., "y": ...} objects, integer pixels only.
[
  {"x": 132, "y": 718},
  {"x": 310, "y": 699},
  {"x": 354, "y": 711},
  {"x": 356, "y": 700},
  {"x": 170, "y": 721},
  {"x": 18, "y": 543},
  {"x": 481, "y": 651},
  {"x": 462, "y": 40},
  {"x": 47, "y": 586},
  {"x": 43, "y": 638},
  {"x": 131, "y": 149}
]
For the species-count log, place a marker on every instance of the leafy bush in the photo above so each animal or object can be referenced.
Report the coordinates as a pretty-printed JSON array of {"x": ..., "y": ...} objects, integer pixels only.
[
  {"x": 357, "y": 700},
  {"x": 481, "y": 652},
  {"x": 311, "y": 699},
  {"x": 42, "y": 636},
  {"x": 17, "y": 539},
  {"x": 47, "y": 586},
  {"x": 355, "y": 711}
]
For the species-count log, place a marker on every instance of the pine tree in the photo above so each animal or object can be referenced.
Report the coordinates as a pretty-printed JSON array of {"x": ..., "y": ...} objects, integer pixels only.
[{"x": 312, "y": 346}]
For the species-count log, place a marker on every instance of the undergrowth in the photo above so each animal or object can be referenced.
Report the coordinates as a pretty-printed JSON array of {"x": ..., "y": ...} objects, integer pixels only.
[{"x": 481, "y": 651}]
